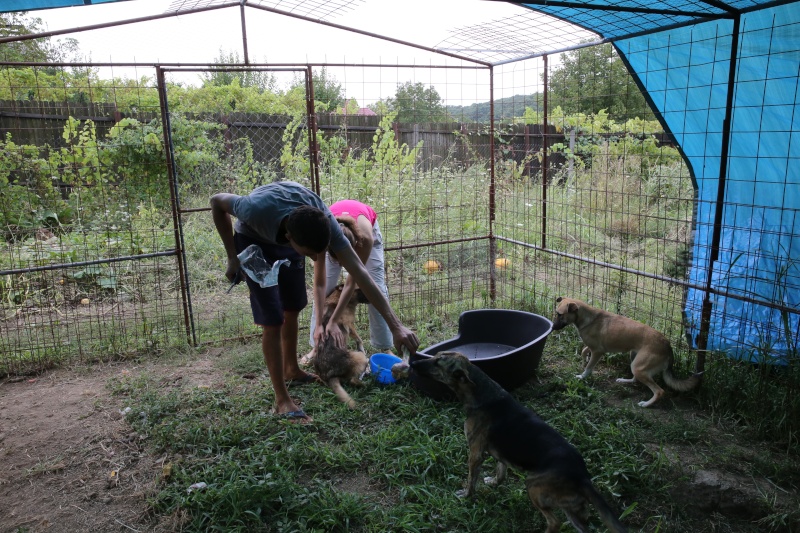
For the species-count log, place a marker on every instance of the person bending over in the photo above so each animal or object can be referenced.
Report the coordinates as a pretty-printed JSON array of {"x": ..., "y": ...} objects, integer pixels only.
[
  {"x": 359, "y": 223},
  {"x": 289, "y": 221}
]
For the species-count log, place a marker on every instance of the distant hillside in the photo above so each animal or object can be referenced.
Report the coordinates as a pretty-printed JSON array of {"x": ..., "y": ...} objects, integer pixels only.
[{"x": 504, "y": 108}]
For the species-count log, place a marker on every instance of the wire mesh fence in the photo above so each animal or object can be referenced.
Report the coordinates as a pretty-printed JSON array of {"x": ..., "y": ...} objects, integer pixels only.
[
  {"x": 87, "y": 267},
  {"x": 557, "y": 189},
  {"x": 611, "y": 221}
]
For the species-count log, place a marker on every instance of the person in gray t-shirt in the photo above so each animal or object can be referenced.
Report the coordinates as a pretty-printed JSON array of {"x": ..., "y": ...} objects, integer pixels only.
[{"x": 289, "y": 221}]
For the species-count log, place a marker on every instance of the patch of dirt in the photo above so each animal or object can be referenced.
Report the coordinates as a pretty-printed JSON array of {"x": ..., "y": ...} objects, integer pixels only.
[{"x": 70, "y": 461}]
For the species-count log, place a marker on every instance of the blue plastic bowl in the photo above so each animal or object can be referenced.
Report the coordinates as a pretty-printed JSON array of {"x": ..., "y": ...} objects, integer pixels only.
[{"x": 381, "y": 366}]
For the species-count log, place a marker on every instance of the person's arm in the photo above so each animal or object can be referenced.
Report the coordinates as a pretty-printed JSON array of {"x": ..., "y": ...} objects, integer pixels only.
[
  {"x": 356, "y": 269},
  {"x": 320, "y": 284},
  {"x": 221, "y": 207}
]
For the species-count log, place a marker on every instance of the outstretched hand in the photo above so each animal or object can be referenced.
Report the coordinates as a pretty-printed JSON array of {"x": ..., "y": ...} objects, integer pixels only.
[
  {"x": 335, "y": 332},
  {"x": 404, "y": 337}
]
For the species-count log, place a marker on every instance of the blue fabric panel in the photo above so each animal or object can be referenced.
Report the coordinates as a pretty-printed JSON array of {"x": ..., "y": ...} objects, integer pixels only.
[
  {"x": 615, "y": 24},
  {"x": 7, "y": 6},
  {"x": 759, "y": 255}
]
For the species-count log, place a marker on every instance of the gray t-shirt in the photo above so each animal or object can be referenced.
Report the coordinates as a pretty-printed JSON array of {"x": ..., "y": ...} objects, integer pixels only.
[{"x": 259, "y": 214}]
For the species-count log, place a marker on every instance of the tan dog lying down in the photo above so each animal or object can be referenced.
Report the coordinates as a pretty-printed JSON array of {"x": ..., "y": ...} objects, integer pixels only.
[
  {"x": 555, "y": 473},
  {"x": 604, "y": 332}
]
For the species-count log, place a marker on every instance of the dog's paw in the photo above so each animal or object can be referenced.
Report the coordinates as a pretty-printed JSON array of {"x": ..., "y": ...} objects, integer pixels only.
[
  {"x": 462, "y": 493},
  {"x": 491, "y": 481},
  {"x": 579, "y": 376},
  {"x": 400, "y": 371}
]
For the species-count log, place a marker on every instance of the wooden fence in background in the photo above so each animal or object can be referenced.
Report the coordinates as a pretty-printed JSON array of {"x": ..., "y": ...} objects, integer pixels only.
[{"x": 42, "y": 123}]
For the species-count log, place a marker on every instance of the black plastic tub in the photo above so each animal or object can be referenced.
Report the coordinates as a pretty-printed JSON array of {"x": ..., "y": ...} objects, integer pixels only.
[{"x": 505, "y": 343}]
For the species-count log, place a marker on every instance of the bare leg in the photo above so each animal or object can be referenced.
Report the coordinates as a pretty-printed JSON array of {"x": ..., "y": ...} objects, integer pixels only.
[
  {"x": 308, "y": 358},
  {"x": 291, "y": 367},
  {"x": 271, "y": 348}
]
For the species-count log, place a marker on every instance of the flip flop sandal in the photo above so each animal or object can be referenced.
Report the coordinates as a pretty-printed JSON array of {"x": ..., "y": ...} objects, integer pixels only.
[{"x": 295, "y": 417}]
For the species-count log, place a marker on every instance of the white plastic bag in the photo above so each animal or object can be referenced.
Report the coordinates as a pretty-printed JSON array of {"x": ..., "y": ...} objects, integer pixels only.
[{"x": 252, "y": 261}]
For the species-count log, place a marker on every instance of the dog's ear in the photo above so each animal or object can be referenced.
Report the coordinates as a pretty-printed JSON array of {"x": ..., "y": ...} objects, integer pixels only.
[
  {"x": 572, "y": 307},
  {"x": 559, "y": 299},
  {"x": 360, "y": 297},
  {"x": 462, "y": 376}
]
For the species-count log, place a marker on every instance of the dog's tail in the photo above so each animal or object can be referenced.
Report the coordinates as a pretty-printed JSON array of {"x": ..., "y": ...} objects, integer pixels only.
[
  {"x": 607, "y": 515},
  {"x": 335, "y": 384},
  {"x": 681, "y": 385}
]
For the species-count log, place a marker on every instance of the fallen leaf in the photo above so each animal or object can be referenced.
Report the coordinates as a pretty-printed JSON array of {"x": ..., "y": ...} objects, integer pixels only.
[{"x": 166, "y": 471}]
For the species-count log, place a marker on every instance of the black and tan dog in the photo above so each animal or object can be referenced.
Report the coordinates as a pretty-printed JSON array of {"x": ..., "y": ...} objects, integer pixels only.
[
  {"x": 604, "y": 332},
  {"x": 335, "y": 364},
  {"x": 556, "y": 475}
]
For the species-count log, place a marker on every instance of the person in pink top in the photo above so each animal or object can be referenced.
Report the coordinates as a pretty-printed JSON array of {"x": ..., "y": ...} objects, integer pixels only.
[{"x": 359, "y": 223}]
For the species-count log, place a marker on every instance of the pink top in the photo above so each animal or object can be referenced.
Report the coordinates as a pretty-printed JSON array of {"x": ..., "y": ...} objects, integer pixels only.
[{"x": 354, "y": 208}]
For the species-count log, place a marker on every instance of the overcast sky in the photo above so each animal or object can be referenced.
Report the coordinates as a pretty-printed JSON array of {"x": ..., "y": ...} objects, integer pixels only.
[{"x": 198, "y": 38}]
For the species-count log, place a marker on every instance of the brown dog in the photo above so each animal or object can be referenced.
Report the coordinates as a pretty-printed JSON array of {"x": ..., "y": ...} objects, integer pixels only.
[
  {"x": 335, "y": 364},
  {"x": 603, "y": 332},
  {"x": 556, "y": 475}
]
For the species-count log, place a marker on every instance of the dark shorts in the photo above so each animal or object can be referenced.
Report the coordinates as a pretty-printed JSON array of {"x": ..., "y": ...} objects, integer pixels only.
[{"x": 269, "y": 303}]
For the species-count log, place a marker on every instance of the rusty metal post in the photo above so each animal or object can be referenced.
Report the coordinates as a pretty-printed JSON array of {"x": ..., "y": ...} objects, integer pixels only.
[
  {"x": 492, "y": 188},
  {"x": 716, "y": 237},
  {"x": 177, "y": 222},
  {"x": 313, "y": 149},
  {"x": 244, "y": 32},
  {"x": 527, "y": 152},
  {"x": 544, "y": 154}
]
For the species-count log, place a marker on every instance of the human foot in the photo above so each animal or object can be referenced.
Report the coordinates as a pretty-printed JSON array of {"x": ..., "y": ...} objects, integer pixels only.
[{"x": 308, "y": 358}]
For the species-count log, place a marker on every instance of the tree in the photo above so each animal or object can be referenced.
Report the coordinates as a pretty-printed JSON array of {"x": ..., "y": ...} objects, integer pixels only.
[
  {"x": 327, "y": 89},
  {"x": 35, "y": 50},
  {"x": 259, "y": 79},
  {"x": 351, "y": 107},
  {"x": 595, "y": 78},
  {"x": 413, "y": 103},
  {"x": 381, "y": 107},
  {"x": 328, "y": 92}
]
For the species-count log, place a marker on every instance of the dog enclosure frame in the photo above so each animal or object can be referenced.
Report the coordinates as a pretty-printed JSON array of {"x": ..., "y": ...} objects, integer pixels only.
[{"x": 508, "y": 215}]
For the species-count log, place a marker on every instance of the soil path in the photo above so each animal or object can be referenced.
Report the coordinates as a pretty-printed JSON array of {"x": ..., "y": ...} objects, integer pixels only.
[{"x": 69, "y": 460}]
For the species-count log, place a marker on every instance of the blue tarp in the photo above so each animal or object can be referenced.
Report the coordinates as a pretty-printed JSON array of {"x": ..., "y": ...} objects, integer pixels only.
[
  {"x": 759, "y": 248},
  {"x": 8, "y": 6},
  {"x": 685, "y": 72}
]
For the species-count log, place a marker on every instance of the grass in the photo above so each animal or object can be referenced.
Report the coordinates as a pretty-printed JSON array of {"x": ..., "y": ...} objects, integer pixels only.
[{"x": 395, "y": 462}]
